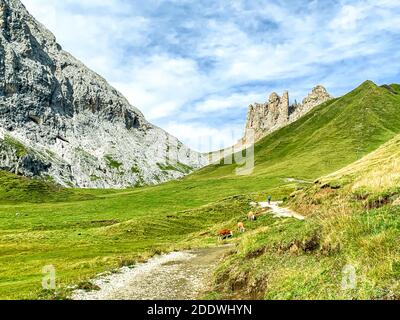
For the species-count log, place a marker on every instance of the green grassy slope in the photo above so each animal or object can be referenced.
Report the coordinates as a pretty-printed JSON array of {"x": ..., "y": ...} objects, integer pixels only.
[
  {"x": 89, "y": 237},
  {"x": 16, "y": 189},
  {"x": 376, "y": 172},
  {"x": 395, "y": 87},
  {"x": 110, "y": 228},
  {"x": 331, "y": 136},
  {"x": 353, "y": 220},
  {"x": 83, "y": 238}
]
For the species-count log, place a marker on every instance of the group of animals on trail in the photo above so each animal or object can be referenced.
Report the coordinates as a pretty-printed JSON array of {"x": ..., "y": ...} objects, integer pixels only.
[{"x": 227, "y": 233}]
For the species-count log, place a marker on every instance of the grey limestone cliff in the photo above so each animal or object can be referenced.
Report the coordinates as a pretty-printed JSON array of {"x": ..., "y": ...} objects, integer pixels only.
[
  {"x": 60, "y": 120},
  {"x": 277, "y": 112}
]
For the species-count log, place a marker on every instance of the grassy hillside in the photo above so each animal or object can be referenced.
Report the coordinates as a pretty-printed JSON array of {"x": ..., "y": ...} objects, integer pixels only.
[
  {"x": 376, "y": 172},
  {"x": 112, "y": 228},
  {"x": 331, "y": 136},
  {"x": 16, "y": 189},
  {"x": 84, "y": 238},
  {"x": 353, "y": 220}
]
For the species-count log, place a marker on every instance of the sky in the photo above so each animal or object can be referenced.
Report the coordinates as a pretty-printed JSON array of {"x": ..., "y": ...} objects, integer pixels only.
[{"x": 193, "y": 67}]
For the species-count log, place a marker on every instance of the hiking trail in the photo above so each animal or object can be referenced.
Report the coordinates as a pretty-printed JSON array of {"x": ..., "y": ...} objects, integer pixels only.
[
  {"x": 182, "y": 275},
  {"x": 280, "y": 212}
]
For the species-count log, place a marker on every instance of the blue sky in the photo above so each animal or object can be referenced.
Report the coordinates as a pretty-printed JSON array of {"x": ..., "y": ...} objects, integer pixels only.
[{"x": 193, "y": 67}]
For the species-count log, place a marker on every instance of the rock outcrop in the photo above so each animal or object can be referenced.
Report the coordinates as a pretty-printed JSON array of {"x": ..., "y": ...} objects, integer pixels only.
[
  {"x": 318, "y": 96},
  {"x": 61, "y": 121},
  {"x": 277, "y": 112}
]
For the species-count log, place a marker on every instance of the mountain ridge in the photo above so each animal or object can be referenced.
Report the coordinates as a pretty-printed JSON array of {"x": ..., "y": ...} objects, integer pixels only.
[
  {"x": 356, "y": 124},
  {"x": 72, "y": 124},
  {"x": 277, "y": 112}
]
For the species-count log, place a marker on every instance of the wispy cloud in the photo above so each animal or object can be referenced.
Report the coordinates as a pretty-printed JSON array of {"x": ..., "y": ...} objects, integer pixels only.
[{"x": 193, "y": 67}]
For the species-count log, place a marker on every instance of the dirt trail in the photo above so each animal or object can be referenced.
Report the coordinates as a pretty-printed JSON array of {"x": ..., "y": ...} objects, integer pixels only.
[
  {"x": 279, "y": 212},
  {"x": 181, "y": 275}
]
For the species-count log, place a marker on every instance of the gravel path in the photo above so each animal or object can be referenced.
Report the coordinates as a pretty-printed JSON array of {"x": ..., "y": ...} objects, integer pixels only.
[
  {"x": 279, "y": 212},
  {"x": 181, "y": 275}
]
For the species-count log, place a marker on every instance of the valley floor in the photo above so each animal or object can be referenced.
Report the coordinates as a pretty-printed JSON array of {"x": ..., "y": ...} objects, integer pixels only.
[
  {"x": 94, "y": 231},
  {"x": 179, "y": 275},
  {"x": 352, "y": 218},
  {"x": 281, "y": 258}
]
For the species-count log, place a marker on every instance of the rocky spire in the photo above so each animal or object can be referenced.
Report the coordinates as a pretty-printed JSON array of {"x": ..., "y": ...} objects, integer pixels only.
[
  {"x": 268, "y": 116},
  {"x": 317, "y": 96},
  {"x": 277, "y": 112}
]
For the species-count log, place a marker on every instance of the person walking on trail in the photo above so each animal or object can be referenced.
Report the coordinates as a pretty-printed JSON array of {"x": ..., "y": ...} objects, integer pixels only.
[{"x": 269, "y": 199}]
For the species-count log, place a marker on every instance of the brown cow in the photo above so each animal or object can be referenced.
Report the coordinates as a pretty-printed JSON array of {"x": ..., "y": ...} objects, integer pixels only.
[
  {"x": 241, "y": 227},
  {"x": 251, "y": 216},
  {"x": 225, "y": 234}
]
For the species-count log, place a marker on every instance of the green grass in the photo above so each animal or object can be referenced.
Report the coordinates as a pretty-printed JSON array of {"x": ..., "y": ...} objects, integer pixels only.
[
  {"x": 94, "y": 178},
  {"x": 84, "y": 232},
  {"x": 289, "y": 259},
  {"x": 166, "y": 167},
  {"x": 86, "y": 155},
  {"x": 181, "y": 167},
  {"x": 378, "y": 171},
  {"x": 353, "y": 219},
  {"x": 135, "y": 169},
  {"x": 16, "y": 190},
  {"x": 396, "y": 87},
  {"x": 112, "y": 163},
  {"x": 10, "y": 142},
  {"x": 82, "y": 239}
]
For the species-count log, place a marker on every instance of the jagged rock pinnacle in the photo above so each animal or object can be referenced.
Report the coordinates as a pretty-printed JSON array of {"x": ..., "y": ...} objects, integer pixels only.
[{"x": 277, "y": 113}]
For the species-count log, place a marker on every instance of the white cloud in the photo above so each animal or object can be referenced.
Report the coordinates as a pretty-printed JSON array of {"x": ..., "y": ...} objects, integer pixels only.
[
  {"x": 184, "y": 62},
  {"x": 96, "y": 34},
  {"x": 161, "y": 85},
  {"x": 204, "y": 138},
  {"x": 236, "y": 100},
  {"x": 348, "y": 18}
]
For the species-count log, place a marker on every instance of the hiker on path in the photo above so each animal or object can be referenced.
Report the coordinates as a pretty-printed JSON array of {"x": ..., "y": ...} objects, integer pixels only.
[{"x": 269, "y": 199}]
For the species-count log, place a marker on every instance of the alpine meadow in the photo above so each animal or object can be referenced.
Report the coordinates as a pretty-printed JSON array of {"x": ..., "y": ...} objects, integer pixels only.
[{"x": 92, "y": 190}]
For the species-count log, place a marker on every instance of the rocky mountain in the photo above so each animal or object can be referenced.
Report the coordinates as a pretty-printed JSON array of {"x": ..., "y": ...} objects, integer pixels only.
[
  {"x": 277, "y": 112},
  {"x": 63, "y": 122}
]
